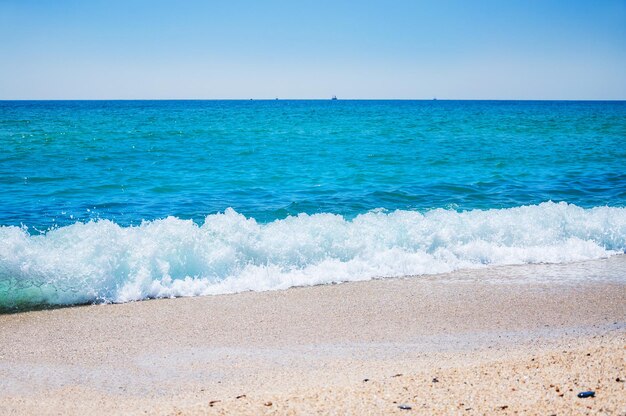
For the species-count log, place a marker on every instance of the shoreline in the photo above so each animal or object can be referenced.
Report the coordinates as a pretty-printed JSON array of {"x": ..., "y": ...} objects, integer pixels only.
[
  {"x": 602, "y": 269},
  {"x": 310, "y": 349}
]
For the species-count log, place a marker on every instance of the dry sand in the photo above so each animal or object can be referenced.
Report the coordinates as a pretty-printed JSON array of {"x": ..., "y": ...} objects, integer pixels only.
[{"x": 509, "y": 340}]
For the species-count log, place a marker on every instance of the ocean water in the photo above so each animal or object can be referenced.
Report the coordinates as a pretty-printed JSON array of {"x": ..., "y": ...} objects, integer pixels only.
[{"x": 113, "y": 201}]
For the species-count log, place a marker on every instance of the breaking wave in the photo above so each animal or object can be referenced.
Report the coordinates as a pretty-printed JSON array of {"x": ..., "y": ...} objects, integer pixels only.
[{"x": 101, "y": 261}]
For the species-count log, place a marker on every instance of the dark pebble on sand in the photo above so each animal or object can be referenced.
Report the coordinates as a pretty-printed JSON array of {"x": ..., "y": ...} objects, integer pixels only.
[
  {"x": 404, "y": 407},
  {"x": 585, "y": 394},
  {"x": 435, "y": 380},
  {"x": 366, "y": 379}
]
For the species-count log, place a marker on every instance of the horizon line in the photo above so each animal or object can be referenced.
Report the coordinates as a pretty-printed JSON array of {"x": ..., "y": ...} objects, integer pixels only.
[{"x": 313, "y": 99}]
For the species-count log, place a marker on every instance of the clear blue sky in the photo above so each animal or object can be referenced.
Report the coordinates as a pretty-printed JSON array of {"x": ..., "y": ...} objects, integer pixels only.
[{"x": 501, "y": 49}]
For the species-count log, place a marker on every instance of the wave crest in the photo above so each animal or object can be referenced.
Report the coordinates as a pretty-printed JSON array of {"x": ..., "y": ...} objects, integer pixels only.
[{"x": 103, "y": 262}]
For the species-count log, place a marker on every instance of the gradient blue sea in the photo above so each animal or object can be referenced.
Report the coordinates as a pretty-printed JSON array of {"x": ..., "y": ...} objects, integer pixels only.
[{"x": 132, "y": 164}]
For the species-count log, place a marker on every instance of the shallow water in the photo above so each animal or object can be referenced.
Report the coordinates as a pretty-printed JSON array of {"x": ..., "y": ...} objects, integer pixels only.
[{"x": 130, "y": 161}]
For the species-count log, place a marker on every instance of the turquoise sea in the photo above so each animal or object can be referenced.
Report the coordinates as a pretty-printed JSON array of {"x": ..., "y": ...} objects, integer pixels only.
[{"x": 112, "y": 201}]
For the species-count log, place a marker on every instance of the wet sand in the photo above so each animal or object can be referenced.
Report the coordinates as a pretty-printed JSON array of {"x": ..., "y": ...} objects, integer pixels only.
[{"x": 521, "y": 339}]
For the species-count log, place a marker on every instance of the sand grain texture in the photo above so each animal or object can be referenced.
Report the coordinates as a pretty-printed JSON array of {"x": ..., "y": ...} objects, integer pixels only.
[{"x": 495, "y": 343}]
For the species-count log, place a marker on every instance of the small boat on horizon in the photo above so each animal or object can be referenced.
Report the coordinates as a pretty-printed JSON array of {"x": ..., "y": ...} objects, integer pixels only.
[{"x": 334, "y": 98}]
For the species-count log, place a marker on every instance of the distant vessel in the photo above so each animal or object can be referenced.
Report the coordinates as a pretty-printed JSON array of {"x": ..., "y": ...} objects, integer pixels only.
[{"x": 334, "y": 98}]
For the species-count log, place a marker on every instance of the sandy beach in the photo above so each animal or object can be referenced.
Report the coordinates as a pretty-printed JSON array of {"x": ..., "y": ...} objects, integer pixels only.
[{"x": 507, "y": 340}]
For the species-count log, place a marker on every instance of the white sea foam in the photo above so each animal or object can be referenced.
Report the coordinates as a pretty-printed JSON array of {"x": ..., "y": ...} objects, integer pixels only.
[{"x": 101, "y": 261}]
